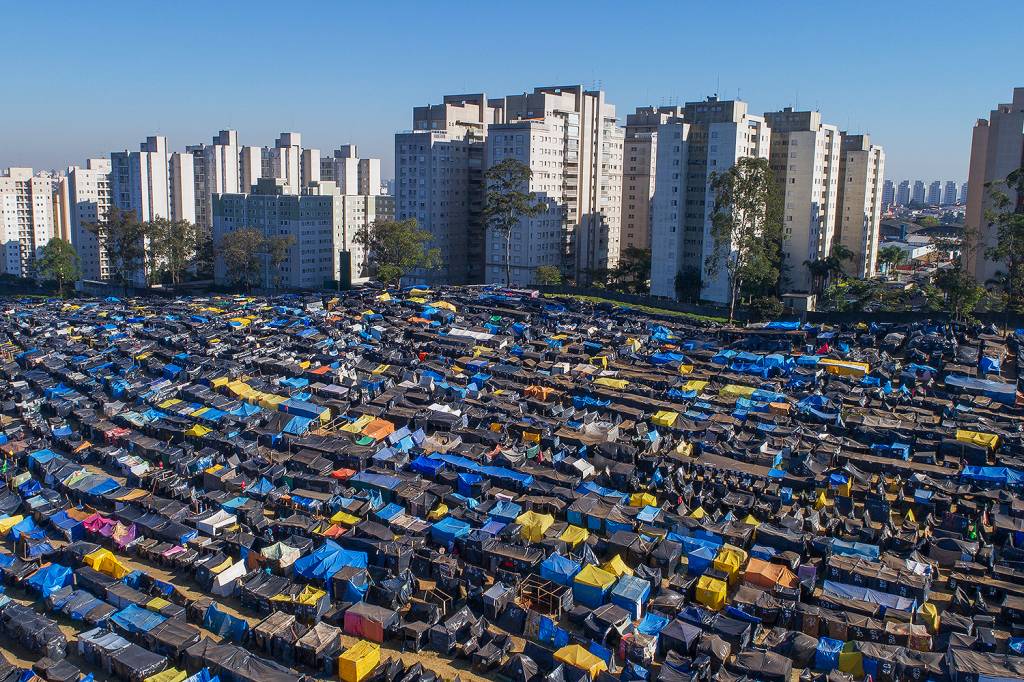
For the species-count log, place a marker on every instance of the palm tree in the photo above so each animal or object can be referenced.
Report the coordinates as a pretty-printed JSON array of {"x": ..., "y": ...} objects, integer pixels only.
[{"x": 892, "y": 255}]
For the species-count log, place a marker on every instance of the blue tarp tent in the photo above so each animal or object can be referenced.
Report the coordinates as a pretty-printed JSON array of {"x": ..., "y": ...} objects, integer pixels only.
[
  {"x": 999, "y": 475},
  {"x": 889, "y": 601},
  {"x": 136, "y": 620},
  {"x": 631, "y": 594},
  {"x": 224, "y": 624},
  {"x": 855, "y": 549},
  {"x": 448, "y": 529},
  {"x": 49, "y": 579},
  {"x": 328, "y": 560},
  {"x": 559, "y": 569}
]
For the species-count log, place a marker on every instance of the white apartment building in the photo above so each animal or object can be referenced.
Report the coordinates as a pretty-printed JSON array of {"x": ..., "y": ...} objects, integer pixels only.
[
  {"x": 949, "y": 193},
  {"x": 935, "y": 193},
  {"x": 903, "y": 193},
  {"x": 251, "y": 168},
  {"x": 89, "y": 202},
  {"x": 640, "y": 172},
  {"x": 859, "y": 210},
  {"x": 805, "y": 162},
  {"x": 323, "y": 222},
  {"x": 284, "y": 161},
  {"x": 352, "y": 174},
  {"x": 26, "y": 219},
  {"x": 217, "y": 170},
  {"x": 997, "y": 149},
  {"x": 439, "y": 182},
  {"x": 712, "y": 136},
  {"x": 575, "y": 155}
]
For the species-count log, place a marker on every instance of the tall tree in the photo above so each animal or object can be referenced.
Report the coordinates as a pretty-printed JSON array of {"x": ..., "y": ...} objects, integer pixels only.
[
  {"x": 958, "y": 292},
  {"x": 892, "y": 256},
  {"x": 508, "y": 201},
  {"x": 1007, "y": 216},
  {"x": 58, "y": 261},
  {"x": 634, "y": 270},
  {"x": 746, "y": 229},
  {"x": 173, "y": 245},
  {"x": 124, "y": 242},
  {"x": 277, "y": 247},
  {"x": 548, "y": 274},
  {"x": 242, "y": 251},
  {"x": 394, "y": 247}
]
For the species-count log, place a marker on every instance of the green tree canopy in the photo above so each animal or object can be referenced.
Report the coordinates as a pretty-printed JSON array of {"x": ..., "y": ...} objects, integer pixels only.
[
  {"x": 394, "y": 247},
  {"x": 58, "y": 261},
  {"x": 548, "y": 274},
  {"x": 277, "y": 247},
  {"x": 508, "y": 201},
  {"x": 892, "y": 256},
  {"x": 173, "y": 246},
  {"x": 242, "y": 252},
  {"x": 1007, "y": 216},
  {"x": 746, "y": 229},
  {"x": 123, "y": 240}
]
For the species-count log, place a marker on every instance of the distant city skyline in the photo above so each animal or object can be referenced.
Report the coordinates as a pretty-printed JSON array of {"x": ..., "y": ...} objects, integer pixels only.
[{"x": 74, "y": 104}]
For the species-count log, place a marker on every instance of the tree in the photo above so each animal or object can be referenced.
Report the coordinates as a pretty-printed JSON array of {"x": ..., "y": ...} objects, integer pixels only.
[
  {"x": 960, "y": 294},
  {"x": 174, "y": 246},
  {"x": 892, "y": 256},
  {"x": 58, "y": 261},
  {"x": 634, "y": 270},
  {"x": 928, "y": 221},
  {"x": 687, "y": 284},
  {"x": 508, "y": 201},
  {"x": 548, "y": 275},
  {"x": 394, "y": 247},
  {"x": 241, "y": 251},
  {"x": 1007, "y": 216},
  {"x": 123, "y": 240},
  {"x": 746, "y": 228},
  {"x": 277, "y": 247}
]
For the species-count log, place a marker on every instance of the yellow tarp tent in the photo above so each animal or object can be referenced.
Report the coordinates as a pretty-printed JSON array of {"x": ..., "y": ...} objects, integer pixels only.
[
  {"x": 685, "y": 369},
  {"x": 346, "y": 519},
  {"x": 685, "y": 449},
  {"x": 169, "y": 675},
  {"x": 664, "y": 418},
  {"x": 197, "y": 430},
  {"x": 751, "y": 521},
  {"x": 698, "y": 513},
  {"x": 439, "y": 512},
  {"x": 358, "y": 661},
  {"x": 712, "y": 592},
  {"x": 595, "y": 577},
  {"x": 845, "y": 368},
  {"x": 643, "y": 500},
  {"x": 10, "y": 522},
  {"x": 729, "y": 560},
  {"x": 617, "y": 567},
  {"x": 359, "y": 424},
  {"x": 986, "y": 440},
  {"x": 696, "y": 385},
  {"x": 310, "y": 596},
  {"x": 736, "y": 391},
  {"x": 851, "y": 661},
  {"x": 104, "y": 561},
  {"x": 157, "y": 603},
  {"x": 219, "y": 381},
  {"x": 574, "y": 535},
  {"x": 577, "y": 657},
  {"x": 534, "y": 525},
  {"x": 608, "y": 382},
  {"x": 929, "y": 615}
]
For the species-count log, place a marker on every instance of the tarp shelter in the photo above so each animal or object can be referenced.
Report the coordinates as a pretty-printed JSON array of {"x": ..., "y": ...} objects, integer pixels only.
[
  {"x": 712, "y": 592},
  {"x": 49, "y": 579},
  {"x": 369, "y": 621},
  {"x": 577, "y": 657},
  {"x": 104, "y": 561},
  {"x": 559, "y": 569},
  {"x": 631, "y": 593},
  {"x": 591, "y": 585},
  {"x": 356, "y": 663},
  {"x": 768, "y": 575},
  {"x": 534, "y": 525}
]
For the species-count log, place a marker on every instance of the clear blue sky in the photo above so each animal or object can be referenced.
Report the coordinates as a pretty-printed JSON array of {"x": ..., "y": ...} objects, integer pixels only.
[{"x": 85, "y": 78}]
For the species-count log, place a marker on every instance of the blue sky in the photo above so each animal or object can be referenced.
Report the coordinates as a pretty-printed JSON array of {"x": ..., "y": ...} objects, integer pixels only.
[{"x": 91, "y": 77}]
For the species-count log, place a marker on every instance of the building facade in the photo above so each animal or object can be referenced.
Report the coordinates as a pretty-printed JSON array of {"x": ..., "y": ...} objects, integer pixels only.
[
  {"x": 712, "y": 136},
  {"x": 888, "y": 193},
  {"x": 935, "y": 193},
  {"x": 903, "y": 193},
  {"x": 859, "y": 208},
  {"x": 805, "y": 155},
  {"x": 997, "y": 149},
  {"x": 26, "y": 219},
  {"x": 949, "y": 193},
  {"x": 639, "y": 172},
  {"x": 217, "y": 169},
  {"x": 350, "y": 173},
  {"x": 919, "y": 194},
  {"x": 89, "y": 201}
]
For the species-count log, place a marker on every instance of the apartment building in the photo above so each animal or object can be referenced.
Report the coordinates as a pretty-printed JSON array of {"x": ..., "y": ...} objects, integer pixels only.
[
  {"x": 711, "y": 137},
  {"x": 919, "y": 194},
  {"x": 323, "y": 222},
  {"x": 935, "y": 193},
  {"x": 439, "y": 167},
  {"x": 949, "y": 193},
  {"x": 963, "y": 194},
  {"x": 352, "y": 174},
  {"x": 217, "y": 170},
  {"x": 89, "y": 201},
  {"x": 859, "y": 207},
  {"x": 888, "y": 193},
  {"x": 640, "y": 170},
  {"x": 805, "y": 161},
  {"x": 997, "y": 149},
  {"x": 903, "y": 193},
  {"x": 26, "y": 219}
]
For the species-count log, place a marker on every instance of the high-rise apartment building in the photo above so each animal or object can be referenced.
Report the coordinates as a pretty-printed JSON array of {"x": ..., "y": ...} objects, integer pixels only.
[
  {"x": 919, "y": 194},
  {"x": 439, "y": 181},
  {"x": 352, "y": 174},
  {"x": 639, "y": 170},
  {"x": 89, "y": 202},
  {"x": 217, "y": 170},
  {"x": 26, "y": 219},
  {"x": 859, "y": 208},
  {"x": 935, "y": 193},
  {"x": 250, "y": 168},
  {"x": 805, "y": 161},
  {"x": 997, "y": 149},
  {"x": 903, "y": 193},
  {"x": 888, "y": 193},
  {"x": 284, "y": 161},
  {"x": 949, "y": 193},
  {"x": 712, "y": 136},
  {"x": 569, "y": 139},
  {"x": 323, "y": 223},
  {"x": 963, "y": 194}
]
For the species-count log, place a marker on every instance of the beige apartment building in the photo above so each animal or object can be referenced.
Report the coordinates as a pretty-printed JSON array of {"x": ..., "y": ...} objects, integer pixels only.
[
  {"x": 89, "y": 201},
  {"x": 805, "y": 161},
  {"x": 997, "y": 149},
  {"x": 26, "y": 219},
  {"x": 859, "y": 209},
  {"x": 639, "y": 172},
  {"x": 217, "y": 170},
  {"x": 710, "y": 138},
  {"x": 352, "y": 174}
]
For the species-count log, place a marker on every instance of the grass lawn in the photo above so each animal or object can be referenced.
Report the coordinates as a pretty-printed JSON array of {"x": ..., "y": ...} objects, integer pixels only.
[{"x": 642, "y": 308}]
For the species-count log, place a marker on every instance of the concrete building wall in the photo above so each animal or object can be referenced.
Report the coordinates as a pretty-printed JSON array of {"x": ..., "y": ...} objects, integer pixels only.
[
  {"x": 28, "y": 223},
  {"x": 89, "y": 201},
  {"x": 640, "y": 172},
  {"x": 997, "y": 149},
  {"x": 859, "y": 208}
]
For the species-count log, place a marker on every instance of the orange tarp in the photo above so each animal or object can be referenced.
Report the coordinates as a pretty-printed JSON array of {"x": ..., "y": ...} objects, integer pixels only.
[
  {"x": 378, "y": 428},
  {"x": 768, "y": 575}
]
